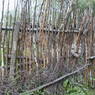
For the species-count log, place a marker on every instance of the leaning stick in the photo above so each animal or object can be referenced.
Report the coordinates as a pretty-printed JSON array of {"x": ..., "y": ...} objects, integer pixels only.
[{"x": 56, "y": 80}]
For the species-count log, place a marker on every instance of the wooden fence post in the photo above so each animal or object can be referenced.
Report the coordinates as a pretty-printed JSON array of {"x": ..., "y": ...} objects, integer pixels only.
[
  {"x": 0, "y": 49},
  {"x": 92, "y": 71},
  {"x": 14, "y": 48},
  {"x": 0, "y": 32}
]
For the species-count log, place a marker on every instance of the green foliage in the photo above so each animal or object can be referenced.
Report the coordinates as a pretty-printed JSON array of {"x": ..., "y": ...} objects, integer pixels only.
[
  {"x": 71, "y": 88},
  {"x": 83, "y": 4}
]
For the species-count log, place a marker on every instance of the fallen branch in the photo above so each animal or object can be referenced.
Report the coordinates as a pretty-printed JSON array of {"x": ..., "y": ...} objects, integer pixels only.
[{"x": 56, "y": 80}]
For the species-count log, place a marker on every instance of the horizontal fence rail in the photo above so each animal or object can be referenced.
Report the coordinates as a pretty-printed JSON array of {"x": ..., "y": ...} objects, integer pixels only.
[{"x": 45, "y": 30}]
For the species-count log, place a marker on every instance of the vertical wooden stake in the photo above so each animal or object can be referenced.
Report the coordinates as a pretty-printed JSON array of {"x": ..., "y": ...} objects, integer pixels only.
[{"x": 2, "y": 50}]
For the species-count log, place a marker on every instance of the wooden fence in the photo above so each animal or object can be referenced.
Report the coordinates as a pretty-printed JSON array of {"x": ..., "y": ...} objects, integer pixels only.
[{"x": 31, "y": 50}]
